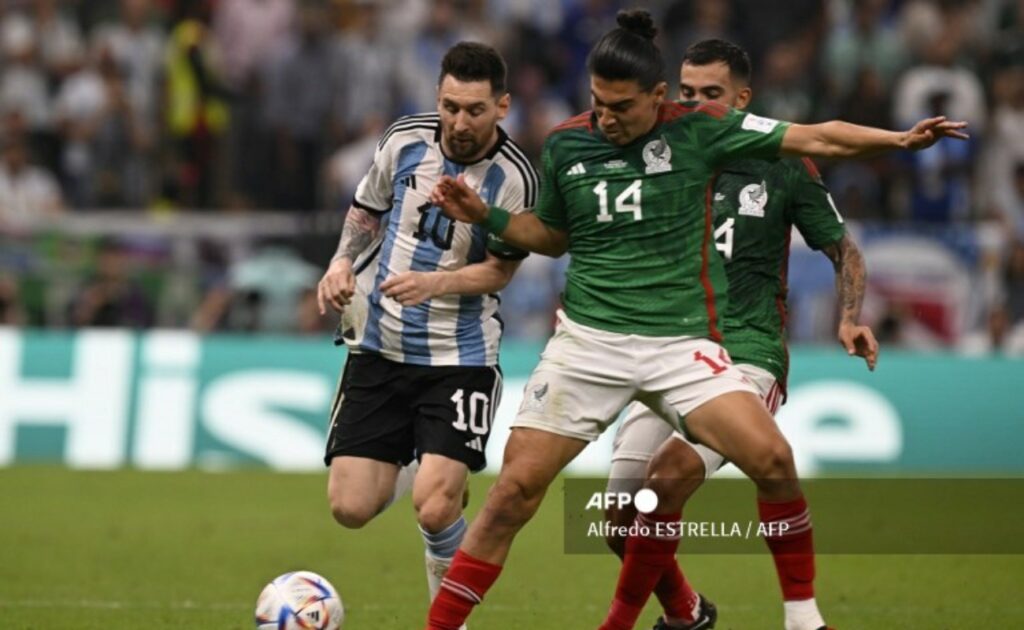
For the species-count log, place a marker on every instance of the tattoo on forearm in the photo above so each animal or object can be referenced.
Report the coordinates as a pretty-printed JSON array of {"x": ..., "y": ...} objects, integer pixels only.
[
  {"x": 361, "y": 228},
  {"x": 851, "y": 277}
]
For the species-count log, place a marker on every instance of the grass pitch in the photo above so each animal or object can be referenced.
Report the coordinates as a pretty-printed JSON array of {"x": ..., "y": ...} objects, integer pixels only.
[{"x": 111, "y": 550}]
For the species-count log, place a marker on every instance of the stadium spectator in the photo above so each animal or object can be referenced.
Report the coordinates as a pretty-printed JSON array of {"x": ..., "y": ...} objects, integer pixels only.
[
  {"x": 300, "y": 98},
  {"x": 195, "y": 105},
  {"x": 102, "y": 160},
  {"x": 28, "y": 194},
  {"x": 136, "y": 45},
  {"x": 23, "y": 84},
  {"x": 689, "y": 21},
  {"x": 112, "y": 297},
  {"x": 422, "y": 56},
  {"x": 60, "y": 42},
  {"x": 867, "y": 44},
  {"x": 249, "y": 33},
  {"x": 364, "y": 54},
  {"x": 11, "y": 311}
]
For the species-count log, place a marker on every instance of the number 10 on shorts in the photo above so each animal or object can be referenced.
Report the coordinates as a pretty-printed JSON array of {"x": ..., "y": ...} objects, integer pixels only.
[{"x": 477, "y": 408}]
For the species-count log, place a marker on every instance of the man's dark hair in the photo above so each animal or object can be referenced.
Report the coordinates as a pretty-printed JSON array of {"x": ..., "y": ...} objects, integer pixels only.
[
  {"x": 471, "y": 61},
  {"x": 628, "y": 52},
  {"x": 718, "y": 50}
]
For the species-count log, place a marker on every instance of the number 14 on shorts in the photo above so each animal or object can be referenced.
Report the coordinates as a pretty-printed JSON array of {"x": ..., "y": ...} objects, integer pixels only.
[{"x": 717, "y": 366}]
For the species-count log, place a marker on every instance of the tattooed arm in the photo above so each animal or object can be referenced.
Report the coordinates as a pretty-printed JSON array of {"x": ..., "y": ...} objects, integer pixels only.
[
  {"x": 851, "y": 277},
  {"x": 339, "y": 283}
]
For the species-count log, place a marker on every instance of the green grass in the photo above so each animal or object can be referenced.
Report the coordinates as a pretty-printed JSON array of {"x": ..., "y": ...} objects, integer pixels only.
[{"x": 191, "y": 550}]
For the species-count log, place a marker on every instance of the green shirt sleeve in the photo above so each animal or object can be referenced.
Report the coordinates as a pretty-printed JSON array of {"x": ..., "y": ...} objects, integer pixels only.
[
  {"x": 550, "y": 206},
  {"x": 732, "y": 134},
  {"x": 813, "y": 212}
]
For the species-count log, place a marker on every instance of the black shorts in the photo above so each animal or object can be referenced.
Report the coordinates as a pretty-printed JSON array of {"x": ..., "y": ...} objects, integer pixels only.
[{"x": 394, "y": 412}]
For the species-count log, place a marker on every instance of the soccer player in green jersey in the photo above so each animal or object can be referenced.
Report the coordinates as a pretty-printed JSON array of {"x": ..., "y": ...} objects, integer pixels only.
[
  {"x": 755, "y": 205},
  {"x": 627, "y": 191}
]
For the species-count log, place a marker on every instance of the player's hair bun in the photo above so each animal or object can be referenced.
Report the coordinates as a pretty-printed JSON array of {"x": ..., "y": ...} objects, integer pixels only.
[{"x": 637, "y": 21}]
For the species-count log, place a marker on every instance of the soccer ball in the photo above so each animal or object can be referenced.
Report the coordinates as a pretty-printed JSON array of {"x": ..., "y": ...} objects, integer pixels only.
[{"x": 301, "y": 600}]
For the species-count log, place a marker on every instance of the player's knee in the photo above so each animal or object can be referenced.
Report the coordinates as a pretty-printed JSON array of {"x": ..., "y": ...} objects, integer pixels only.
[
  {"x": 675, "y": 473},
  {"x": 352, "y": 511},
  {"x": 773, "y": 461},
  {"x": 512, "y": 502},
  {"x": 439, "y": 510}
]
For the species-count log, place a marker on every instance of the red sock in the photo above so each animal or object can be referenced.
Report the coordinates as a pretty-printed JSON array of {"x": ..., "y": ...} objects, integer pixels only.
[
  {"x": 677, "y": 597},
  {"x": 793, "y": 551},
  {"x": 646, "y": 560},
  {"x": 462, "y": 588}
]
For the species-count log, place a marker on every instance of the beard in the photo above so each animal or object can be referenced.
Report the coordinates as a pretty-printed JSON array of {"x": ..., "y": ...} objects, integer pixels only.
[{"x": 463, "y": 147}]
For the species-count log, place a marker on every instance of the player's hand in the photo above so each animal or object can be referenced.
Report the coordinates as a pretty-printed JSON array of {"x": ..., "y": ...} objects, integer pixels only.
[
  {"x": 859, "y": 341},
  {"x": 336, "y": 287},
  {"x": 458, "y": 201},
  {"x": 413, "y": 287},
  {"x": 931, "y": 130}
]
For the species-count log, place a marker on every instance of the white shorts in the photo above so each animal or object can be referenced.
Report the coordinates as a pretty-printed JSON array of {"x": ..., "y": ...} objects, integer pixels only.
[
  {"x": 642, "y": 431},
  {"x": 587, "y": 376}
]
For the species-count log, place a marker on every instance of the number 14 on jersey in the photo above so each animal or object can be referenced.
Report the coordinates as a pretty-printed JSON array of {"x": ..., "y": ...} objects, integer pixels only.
[{"x": 626, "y": 201}]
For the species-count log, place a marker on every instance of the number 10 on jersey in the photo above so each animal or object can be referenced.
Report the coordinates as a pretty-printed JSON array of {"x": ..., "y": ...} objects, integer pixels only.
[{"x": 627, "y": 201}]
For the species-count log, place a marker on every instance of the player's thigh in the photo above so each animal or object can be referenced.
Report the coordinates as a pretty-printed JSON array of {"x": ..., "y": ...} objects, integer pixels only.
[
  {"x": 584, "y": 379},
  {"x": 737, "y": 425},
  {"x": 371, "y": 417},
  {"x": 454, "y": 407},
  {"x": 682, "y": 374}
]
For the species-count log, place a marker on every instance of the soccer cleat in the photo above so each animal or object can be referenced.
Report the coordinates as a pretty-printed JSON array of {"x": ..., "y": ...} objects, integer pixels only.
[{"x": 706, "y": 617}]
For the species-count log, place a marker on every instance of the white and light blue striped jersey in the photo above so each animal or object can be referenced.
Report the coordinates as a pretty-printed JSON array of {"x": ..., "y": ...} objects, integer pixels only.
[{"x": 447, "y": 330}]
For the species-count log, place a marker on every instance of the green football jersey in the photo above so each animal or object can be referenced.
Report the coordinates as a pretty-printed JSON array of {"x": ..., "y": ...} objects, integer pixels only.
[
  {"x": 639, "y": 217},
  {"x": 756, "y": 203}
]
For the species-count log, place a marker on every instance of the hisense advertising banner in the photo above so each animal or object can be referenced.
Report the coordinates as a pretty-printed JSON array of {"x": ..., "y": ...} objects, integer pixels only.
[{"x": 175, "y": 399}]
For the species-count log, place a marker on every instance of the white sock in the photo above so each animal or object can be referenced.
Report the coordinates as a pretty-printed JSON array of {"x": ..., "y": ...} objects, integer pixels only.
[
  {"x": 436, "y": 570},
  {"x": 803, "y": 614},
  {"x": 403, "y": 482},
  {"x": 441, "y": 548}
]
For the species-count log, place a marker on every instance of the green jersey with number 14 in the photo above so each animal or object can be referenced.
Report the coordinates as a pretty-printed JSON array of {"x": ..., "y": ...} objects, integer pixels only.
[
  {"x": 639, "y": 217},
  {"x": 756, "y": 203}
]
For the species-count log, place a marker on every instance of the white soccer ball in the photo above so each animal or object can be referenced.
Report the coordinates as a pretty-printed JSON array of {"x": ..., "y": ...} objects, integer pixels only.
[{"x": 301, "y": 600}]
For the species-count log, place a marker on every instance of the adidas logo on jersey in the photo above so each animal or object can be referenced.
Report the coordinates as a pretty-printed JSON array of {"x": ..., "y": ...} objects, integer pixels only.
[
  {"x": 476, "y": 444},
  {"x": 577, "y": 170}
]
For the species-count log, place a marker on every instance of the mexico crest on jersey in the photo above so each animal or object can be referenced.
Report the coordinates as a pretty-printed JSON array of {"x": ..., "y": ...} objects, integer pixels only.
[
  {"x": 753, "y": 199},
  {"x": 657, "y": 156}
]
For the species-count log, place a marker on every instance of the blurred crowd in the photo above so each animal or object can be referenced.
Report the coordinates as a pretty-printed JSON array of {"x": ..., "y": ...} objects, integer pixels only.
[{"x": 165, "y": 107}]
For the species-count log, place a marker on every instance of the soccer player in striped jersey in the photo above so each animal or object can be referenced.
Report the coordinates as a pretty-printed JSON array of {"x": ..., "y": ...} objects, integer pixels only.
[
  {"x": 756, "y": 203},
  {"x": 627, "y": 190},
  {"x": 417, "y": 293}
]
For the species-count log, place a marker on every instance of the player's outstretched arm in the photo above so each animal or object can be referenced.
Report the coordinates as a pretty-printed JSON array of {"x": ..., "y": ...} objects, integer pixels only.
[
  {"x": 460, "y": 202},
  {"x": 339, "y": 283},
  {"x": 851, "y": 280},
  {"x": 838, "y": 139},
  {"x": 415, "y": 287}
]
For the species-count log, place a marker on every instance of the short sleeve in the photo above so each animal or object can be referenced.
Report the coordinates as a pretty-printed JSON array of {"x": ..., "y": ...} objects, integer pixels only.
[
  {"x": 518, "y": 195},
  {"x": 376, "y": 189},
  {"x": 730, "y": 134},
  {"x": 814, "y": 212},
  {"x": 550, "y": 206}
]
